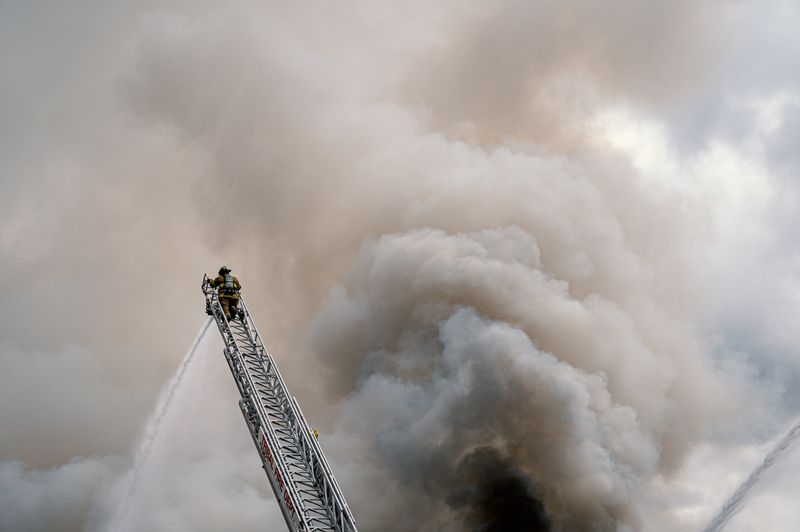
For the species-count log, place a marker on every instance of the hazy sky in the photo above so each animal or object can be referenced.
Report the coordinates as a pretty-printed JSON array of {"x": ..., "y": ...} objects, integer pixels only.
[{"x": 554, "y": 239}]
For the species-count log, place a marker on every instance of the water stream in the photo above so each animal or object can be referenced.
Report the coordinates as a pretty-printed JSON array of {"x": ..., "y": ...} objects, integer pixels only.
[
  {"x": 741, "y": 495},
  {"x": 151, "y": 432}
]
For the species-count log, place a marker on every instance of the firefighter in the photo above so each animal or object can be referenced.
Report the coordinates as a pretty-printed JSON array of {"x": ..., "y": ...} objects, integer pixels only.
[{"x": 228, "y": 289}]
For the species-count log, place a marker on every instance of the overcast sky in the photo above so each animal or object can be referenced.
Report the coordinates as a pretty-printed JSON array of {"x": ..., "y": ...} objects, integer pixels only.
[{"x": 557, "y": 236}]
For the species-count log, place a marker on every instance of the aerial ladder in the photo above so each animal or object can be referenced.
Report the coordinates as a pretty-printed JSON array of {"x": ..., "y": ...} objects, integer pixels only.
[{"x": 305, "y": 488}]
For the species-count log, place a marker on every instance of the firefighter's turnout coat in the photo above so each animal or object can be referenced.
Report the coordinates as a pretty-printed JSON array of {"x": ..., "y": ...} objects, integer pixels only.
[{"x": 227, "y": 286}]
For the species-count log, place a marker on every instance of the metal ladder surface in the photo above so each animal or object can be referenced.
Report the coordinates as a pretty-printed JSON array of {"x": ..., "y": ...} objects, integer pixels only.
[{"x": 304, "y": 486}]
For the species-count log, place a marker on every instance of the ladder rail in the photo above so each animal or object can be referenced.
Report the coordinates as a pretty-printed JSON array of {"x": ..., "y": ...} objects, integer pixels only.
[
  {"x": 258, "y": 420},
  {"x": 306, "y": 490},
  {"x": 340, "y": 508},
  {"x": 301, "y": 438}
]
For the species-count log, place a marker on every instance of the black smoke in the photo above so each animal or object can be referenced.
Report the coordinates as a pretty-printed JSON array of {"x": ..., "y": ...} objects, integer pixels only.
[{"x": 495, "y": 496}]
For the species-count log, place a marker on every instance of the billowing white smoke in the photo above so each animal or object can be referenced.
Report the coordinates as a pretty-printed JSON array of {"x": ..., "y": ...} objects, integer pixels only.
[
  {"x": 460, "y": 349},
  {"x": 54, "y": 499},
  {"x": 521, "y": 318}
]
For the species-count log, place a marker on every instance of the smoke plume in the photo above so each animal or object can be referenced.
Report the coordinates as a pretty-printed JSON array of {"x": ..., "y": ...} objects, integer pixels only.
[
  {"x": 460, "y": 342},
  {"x": 476, "y": 236}
]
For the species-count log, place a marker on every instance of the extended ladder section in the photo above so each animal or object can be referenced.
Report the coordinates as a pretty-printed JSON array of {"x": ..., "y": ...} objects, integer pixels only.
[{"x": 304, "y": 486}]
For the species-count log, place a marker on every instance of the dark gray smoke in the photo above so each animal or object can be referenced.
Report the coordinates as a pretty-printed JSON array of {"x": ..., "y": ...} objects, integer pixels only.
[
  {"x": 454, "y": 342},
  {"x": 494, "y": 496}
]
